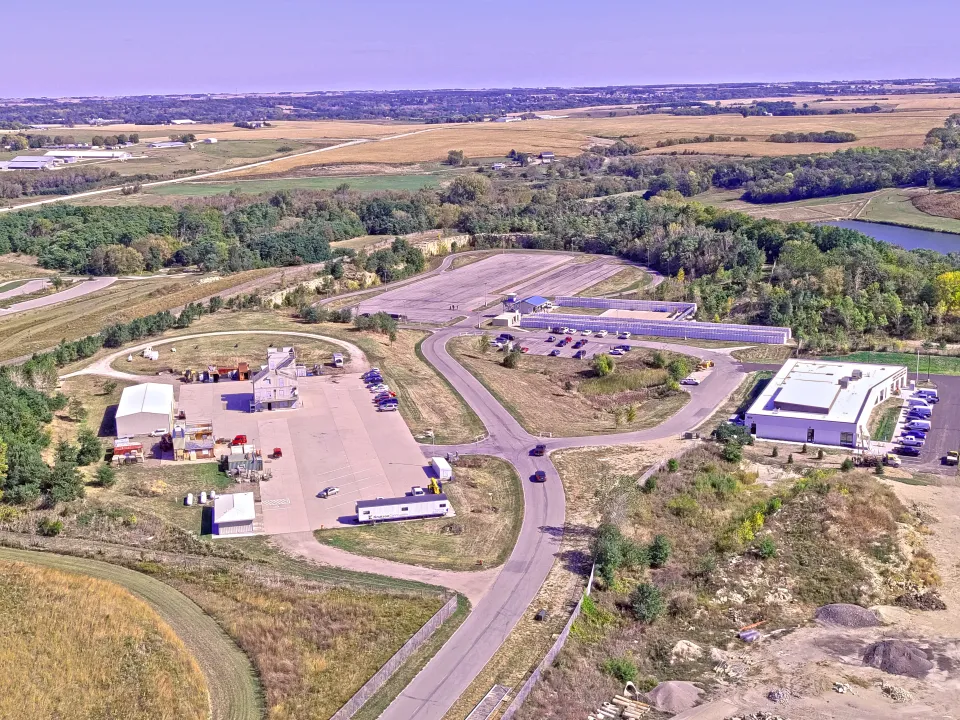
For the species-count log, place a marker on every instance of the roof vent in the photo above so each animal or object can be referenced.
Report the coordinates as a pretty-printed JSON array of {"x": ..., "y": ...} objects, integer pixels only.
[
  {"x": 857, "y": 374},
  {"x": 844, "y": 381}
]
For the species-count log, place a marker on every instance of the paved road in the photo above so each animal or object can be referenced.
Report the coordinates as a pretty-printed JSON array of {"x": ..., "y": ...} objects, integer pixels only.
[
  {"x": 453, "y": 668},
  {"x": 357, "y": 363},
  {"x": 77, "y": 290},
  {"x": 203, "y": 176}
]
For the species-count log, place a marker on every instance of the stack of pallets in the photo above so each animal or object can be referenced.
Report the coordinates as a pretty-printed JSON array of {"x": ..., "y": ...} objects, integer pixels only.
[{"x": 621, "y": 707}]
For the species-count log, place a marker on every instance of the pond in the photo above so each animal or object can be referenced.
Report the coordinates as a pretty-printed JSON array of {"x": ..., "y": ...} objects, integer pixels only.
[{"x": 908, "y": 238}]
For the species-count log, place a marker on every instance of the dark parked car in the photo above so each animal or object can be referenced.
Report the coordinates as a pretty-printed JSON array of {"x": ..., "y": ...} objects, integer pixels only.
[
  {"x": 906, "y": 450},
  {"x": 539, "y": 476},
  {"x": 580, "y": 354},
  {"x": 539, "y": 450}
]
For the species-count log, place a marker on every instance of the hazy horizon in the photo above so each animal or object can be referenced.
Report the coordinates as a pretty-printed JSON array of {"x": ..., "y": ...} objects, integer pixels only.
[{"x": 108, "y": 48}]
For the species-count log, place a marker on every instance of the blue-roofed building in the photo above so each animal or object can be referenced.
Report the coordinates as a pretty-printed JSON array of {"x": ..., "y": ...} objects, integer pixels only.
[{"x": 534, "y": 304}]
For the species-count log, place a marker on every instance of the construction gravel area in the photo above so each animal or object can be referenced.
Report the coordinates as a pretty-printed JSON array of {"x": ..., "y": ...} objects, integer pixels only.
[
  {"x": 455, "y": 293},
  {"x": 569, "y": 279}
]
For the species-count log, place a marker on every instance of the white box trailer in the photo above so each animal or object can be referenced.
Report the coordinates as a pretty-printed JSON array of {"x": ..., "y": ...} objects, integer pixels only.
[
  {"x": 442, "y": 468},
  {"x": 403, "y": 508}
]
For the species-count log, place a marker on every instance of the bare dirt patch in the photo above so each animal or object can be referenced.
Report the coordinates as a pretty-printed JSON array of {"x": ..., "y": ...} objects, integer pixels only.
[{"x": 942, "y": 204}]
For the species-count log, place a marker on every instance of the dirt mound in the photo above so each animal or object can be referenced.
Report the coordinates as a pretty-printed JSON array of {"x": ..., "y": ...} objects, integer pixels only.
[
  {"x": 845, "y": 615},
  {"x": 898, "y": 658},
  {"x": 674, "y": 696},
  {"x": 930, "y": 600}
]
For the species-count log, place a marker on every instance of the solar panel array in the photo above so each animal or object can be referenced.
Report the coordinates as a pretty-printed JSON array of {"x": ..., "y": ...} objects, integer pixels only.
[{"x": 661, "y": 328}]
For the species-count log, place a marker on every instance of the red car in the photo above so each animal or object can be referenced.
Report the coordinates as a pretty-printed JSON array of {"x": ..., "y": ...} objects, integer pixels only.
[
  {"x": 539, "y": 476},
  {"x": 239, "y": 440},
  {"x": 277, "y": 453},
  {"x": 524, "y": 349},
  {"x": 568, "y": 338}
]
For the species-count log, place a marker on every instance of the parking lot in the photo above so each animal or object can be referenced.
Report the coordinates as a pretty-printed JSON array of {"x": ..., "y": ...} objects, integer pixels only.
[
  {"x": 443, "y": 297},
  {"x": 336, "y": 439},
  {"x": 944, "y": 432},
  {"x": 568, "y": 279}
]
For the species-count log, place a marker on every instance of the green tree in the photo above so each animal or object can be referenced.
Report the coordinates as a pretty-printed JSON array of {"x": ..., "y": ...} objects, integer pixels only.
[
  {"x": 336, "y": 270},
  {"x": 76, "y": 411},
  {"x": 678, "y": 369},
  {"x": 91, "y": 449},
  {"x": 65, "y": 482},
  {"x": 660, "y": 550},
  {"x": 603, "y": 365},
  {"x": 732, "y": 452},
  {"x": 469, "y": 188},
  {"x": 622, "y": 669},
  {"x": 511, "y": 359},
  {"x": 647, "y": 603},
  {"x": 456, "y": 158},
  {"x": 106, "y": 476}
]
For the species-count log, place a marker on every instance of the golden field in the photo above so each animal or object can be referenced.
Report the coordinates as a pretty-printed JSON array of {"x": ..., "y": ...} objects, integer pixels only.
[{"x": 78, "y": 647}]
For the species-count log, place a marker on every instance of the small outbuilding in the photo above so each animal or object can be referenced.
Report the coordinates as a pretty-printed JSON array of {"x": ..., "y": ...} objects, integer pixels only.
[
  {"x": 506, "y": 319},
  {"x": 234, "y": 514},
  {"x": 534, "y": 304},
  {"x": 145, "y": 408}
]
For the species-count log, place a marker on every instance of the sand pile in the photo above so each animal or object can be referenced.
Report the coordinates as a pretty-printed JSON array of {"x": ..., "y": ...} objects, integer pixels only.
[
  {"x": 674, "y": 696},
  {"x": 848, "y": 616},
  {"x": 898, "y": 658}
]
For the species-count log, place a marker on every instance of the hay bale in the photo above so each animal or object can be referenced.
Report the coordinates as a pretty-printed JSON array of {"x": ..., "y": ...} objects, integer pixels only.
[
  {"x": 898, "y": 657},
  {"x": 846, "y": 615}
]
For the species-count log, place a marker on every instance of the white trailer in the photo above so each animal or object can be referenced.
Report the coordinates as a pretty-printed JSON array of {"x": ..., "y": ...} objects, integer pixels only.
[
  {"x": 442, "y": 468},
  {"x": 403, "y": 508}
]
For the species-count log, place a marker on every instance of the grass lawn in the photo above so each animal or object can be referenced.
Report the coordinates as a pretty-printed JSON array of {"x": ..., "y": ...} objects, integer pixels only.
[
  {"x": 227, "y": 351},
  {"x": 935, "y": 364},
  {"x": 630, "y": 279},
  {"x": 563, "y": 397},
  {"x": 364, "y": 241},
  {"x": 253, "y": 149},
  {"x": 12, "y": 285},
  {"x": 488, "y": 499},
  {"x": 894, "y": 206},
  {"x": 764, "y": 354},
  {"x": 80, "y": 647},
  {"x": 883, "y": 419},
  {"x": 372, "y": 183}
]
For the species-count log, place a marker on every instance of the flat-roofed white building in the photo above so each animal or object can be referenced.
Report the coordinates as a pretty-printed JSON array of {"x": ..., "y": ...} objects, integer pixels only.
[
  {"x": 89, "y": 154},
  {"x": 822, "y": 402},
  {"x": 234, "y": 514},
  {"x": 145, "y": 408}
]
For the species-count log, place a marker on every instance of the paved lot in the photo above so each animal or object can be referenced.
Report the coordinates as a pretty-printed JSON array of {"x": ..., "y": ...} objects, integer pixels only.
[
  {"x": 442, "y": 297},
  {"x": 944, "y": 434},
  {"x": 337, "y": 438},
  {"x": 569, "y": 279},
  {"x": 635, "y": 314}
]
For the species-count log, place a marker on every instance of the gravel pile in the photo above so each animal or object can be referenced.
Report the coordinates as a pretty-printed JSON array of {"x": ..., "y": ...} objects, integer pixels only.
[
  {"x": 674, "y": 696},
  {"x": 848, "y": 616},
  {"x": 898, "y": 658}
]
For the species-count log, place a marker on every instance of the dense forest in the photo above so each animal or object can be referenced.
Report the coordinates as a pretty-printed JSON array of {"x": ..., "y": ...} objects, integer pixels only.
[
  {"x": 444, "y": 105},
  {"x": 828, "y": 136}
]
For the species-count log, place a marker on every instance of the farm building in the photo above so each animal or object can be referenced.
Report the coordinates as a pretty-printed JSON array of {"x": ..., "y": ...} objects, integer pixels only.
[
  {"x": 144, "y": 408},
  {"x": 828, "y": 403},
  {"x": 533, "y": 304},
  {"x": 89, "y": 154},
  {"x": 166, "y": 144},
  {"x": 547, "y": 157},
  {"x": 34, "y": 162},
  {"x": 183, "y": 121},
  {"x": 234, "y": 514},
  {"x": 276, "y": 386},
  {"x": 403, "y": 508}
]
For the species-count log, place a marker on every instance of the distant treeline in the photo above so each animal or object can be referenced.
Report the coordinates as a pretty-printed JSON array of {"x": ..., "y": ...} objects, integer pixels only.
[
  {"x": 828, "y": 136},
  {"x": 670, "y": 142}
]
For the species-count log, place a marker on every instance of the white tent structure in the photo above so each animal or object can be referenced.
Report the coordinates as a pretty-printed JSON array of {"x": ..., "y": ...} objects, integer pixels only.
[
  {"x": 145, "y": 408},
  {"x": 233, "y": 514}
]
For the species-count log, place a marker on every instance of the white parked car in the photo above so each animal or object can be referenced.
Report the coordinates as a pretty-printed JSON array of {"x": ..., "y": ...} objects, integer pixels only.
[
  {"x": 379, "y": 388},
  {"x": 159, "y": 432},
  {"x": 689, "y": 381},
  {"x": 617, "y": 352},
  {"x": 601, "y": 333},
  {"x": 623, "y": 336},
  {"x": 585, "y": 333}
]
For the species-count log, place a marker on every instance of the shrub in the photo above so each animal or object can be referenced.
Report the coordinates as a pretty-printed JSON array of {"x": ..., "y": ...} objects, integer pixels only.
[
  {"x": 49, "y": 528},
  {"x": 775, "y": 452},
  {"x": 732, "y": 452},
  {"x": 819, "y": 453},
  {"x": 878, "y": 466},
  {"x": 512, "y": 359},
  {"x": 650, "y": 485},
  {"x": 773, "y": 505},
  {"x": 106, "y": 476},
  {"x": 678, "y": 369},
  {"x": 660, "y": 551},
  {"x": 682, "y": 605},
  {"x": 683, "y": 506},
  {"x": 622, "y": 669},
  {"x": 767, "y": 548},
  {"x": 846, "y": 465},
  {"x": 657, "y": 360},
  {"x": 611, "y": 551},
  {"x": 672, "y": 465},
  {"x": 603, "y": 365},
  {"x": 647, "y": 602},
  {"x": 804, "y": 448},
  {"x": 726, "y": 432},
  {"x": 790, "y": 459}
]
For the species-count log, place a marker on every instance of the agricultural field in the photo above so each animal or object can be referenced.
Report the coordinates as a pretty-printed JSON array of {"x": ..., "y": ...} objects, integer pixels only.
[
  {"x": 88, "y": 645},
  {"x": 942, "y": 204},
  {"x": 227, "y": 351},
  {"x": 905, "y": 207},
  {"x": 32, "y": 331},
  {"x": 371, "y": 183},
  {"x": 564, "y": 397},
  {"x": 488, "y": 500}
]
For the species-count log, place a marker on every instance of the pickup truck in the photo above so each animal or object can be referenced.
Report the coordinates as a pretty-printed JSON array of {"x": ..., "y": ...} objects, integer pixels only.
[{"x": 952, "y": 458}]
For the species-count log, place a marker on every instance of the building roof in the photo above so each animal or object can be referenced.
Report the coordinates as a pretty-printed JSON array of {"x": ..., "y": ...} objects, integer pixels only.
[
  {"x": 405, "y": 500},
  {"x": 235, "y": 507},
  {"x": 146, "y": 397},
  {"x": 822, "y": 390},
  {"x": 108, "y": 154},
  {"x": 535, "y": 300}
]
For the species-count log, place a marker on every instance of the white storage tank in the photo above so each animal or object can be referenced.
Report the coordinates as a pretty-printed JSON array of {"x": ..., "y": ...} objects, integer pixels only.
[{"x": 188, "y": 500}]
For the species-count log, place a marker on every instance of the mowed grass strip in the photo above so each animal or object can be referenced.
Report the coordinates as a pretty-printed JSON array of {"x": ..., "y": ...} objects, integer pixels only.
[
  {"x": 372, "y": 183},
  {"x": 233, "y": 688},
  {"x": 934, "y": 364},
  {"x": 487, "y": 497},
  {"x": 84, "y": 648},
  {"x": 883, "y": 419}
]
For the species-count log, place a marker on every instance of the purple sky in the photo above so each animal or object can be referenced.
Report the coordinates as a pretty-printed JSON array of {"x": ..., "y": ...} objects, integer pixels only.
[{"x": 65, "y": 47}]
